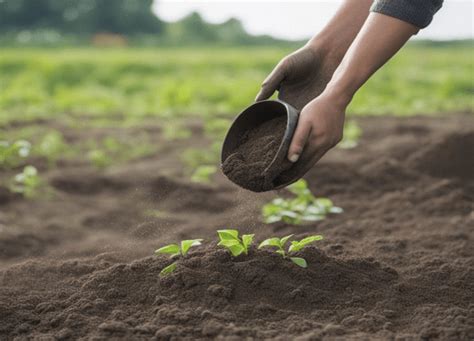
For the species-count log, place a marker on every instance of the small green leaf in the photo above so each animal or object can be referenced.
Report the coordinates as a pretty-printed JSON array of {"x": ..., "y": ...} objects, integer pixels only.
[
  {"x": 324, "y": 202},
  {"x": 229, "y": 243},
  {"x": 299, "y": 261},
  {"x": 295, "y": 246},
  {"x": 270, "y": 242},
  {"x": 299, "y": 186},
  {"x": 290, "y": 214},
  {"x": 336, "y": 210},
  {"x": 236, "y": 250},
  {"x": 187, "y": 244},
  {"x": 228, "y": 234},
  {"x": 247, "y": 240},
  {"x": 285, "y": 239},
  {"x": 172, "y": 249},
  {"x": 310, "y": 239},
  {"x": 281, "y": 252},
  {"x": 272, "y": 219},
  {"x": 298, "y": 245},
  {"x": 169, "y": 269},
  {"x": 313, "y": 217}
]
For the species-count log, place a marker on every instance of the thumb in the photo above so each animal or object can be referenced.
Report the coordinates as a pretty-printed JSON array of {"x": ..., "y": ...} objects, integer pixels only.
[
  {"x": 302, "y": 132},
  {"x": 272, "y": 82}
]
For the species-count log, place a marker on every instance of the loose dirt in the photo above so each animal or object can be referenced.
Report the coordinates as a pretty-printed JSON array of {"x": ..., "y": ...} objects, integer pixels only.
[
  {"x": 398, "y": 264},
  {"x": 247, "y": 165}
]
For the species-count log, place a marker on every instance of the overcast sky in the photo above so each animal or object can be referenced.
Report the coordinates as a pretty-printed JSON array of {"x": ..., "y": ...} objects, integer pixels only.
[{"x": 300, "y": 19}]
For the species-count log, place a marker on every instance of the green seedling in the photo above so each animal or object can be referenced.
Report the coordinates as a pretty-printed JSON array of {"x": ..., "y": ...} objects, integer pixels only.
[
  {"x": 295, "y": 246},
  {"x": 52, "y": 147},
  {"x": 305, "y": 207},
  {"x": 230, "y": 240},
  {"x": 27, "y": 182},
  {"x": 203, "y": 174},
  {"x": 173, "y": 131},
  {"x": 99, "y": 158},
  {"x": 12, "y": 154},
  {"x": 175, "y": 250}
]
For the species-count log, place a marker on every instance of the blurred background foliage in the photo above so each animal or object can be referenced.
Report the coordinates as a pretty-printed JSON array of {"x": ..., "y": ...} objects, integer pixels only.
[
  {"x": 79, "y": 77},
  {"x": 72, "y": 22},
  {"x": 80, "y": 17}
]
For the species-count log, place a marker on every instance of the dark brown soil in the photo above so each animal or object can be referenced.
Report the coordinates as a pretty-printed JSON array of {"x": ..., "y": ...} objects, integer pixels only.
[
  {"x": 398, "y": 264},
  {"x": 247, "y": 166}
]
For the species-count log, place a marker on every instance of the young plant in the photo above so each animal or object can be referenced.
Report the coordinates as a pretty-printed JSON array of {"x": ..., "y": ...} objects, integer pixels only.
[
  {"x": 52, "y": 147},
  {"x": 12, "y": 154},
  {"x": 303, "y": 208},
  {"x": 230, "y": 240},
  {"x": 203, "y": 174},
  {"x": 27, "y": 182},
  {"x": 175, "y": 250},
  {"x": 295, "y": 246}
]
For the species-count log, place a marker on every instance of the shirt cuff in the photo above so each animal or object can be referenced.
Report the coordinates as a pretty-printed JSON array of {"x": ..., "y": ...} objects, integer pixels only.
[{"x": 416, "y": 12}]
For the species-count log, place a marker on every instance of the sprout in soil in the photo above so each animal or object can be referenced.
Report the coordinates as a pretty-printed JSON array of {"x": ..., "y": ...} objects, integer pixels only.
[
  {"x": 230, "y": 240},
  {"x": 203, "y": 174},
  {"x": 304, "y": 208},
  {"x": 295, "y": 246},
  {"x": 13, "y": 154},
  {"x": 27, "y": 183},
  {"x": 175, "y": 250}
]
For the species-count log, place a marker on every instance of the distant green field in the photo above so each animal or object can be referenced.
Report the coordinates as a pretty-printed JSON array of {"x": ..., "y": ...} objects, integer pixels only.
[
  {"x": 171, "y": 83},
  {"x": 46, "y": 93}
]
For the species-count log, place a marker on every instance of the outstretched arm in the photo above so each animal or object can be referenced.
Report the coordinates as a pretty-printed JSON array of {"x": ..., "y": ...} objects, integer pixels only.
[
  {"x": 321, "y": 121},
  {"x": 303, "y": 75}
]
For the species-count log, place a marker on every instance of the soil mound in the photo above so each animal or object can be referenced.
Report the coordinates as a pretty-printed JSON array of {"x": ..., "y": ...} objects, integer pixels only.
[
  {"x": 213, "y": 294},
  {"x": 247, "y": 165},
  {"x": 449, "y": 157},
  {"x": 397, "y": 264}
]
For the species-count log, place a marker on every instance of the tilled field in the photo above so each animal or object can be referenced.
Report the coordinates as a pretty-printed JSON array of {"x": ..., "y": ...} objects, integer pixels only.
[{"x": 398, "y": 264}]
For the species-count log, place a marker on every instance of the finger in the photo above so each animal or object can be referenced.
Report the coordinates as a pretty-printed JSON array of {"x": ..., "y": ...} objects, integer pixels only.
[
  {"x": 271, "y": 83},
  {"x": 302, "y": 132}
]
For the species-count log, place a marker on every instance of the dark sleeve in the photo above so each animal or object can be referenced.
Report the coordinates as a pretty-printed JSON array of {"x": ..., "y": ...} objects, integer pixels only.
[{"x": 416, "y": 12}]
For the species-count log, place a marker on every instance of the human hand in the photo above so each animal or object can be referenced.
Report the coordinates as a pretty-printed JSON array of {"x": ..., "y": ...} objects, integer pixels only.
[
  {"x": 320, "y": 127},
  {"x": 300, "y": 76}
]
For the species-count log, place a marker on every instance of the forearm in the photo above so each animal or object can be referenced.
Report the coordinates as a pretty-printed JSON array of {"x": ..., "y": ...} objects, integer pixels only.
[
  {"x": 378, "y": 40},
  {"x": 338, "y": 34}
]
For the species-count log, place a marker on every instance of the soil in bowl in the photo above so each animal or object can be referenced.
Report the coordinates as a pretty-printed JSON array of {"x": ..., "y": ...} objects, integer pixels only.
[{"x": 247, "y": 165}]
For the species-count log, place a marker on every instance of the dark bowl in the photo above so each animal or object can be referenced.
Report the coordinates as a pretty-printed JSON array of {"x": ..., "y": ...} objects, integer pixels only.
[{"x": 257, "y": 114}]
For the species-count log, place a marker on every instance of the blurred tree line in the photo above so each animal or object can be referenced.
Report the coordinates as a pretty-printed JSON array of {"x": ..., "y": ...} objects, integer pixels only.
[
  {"x": 80, "y": 16},
  {"x": 51, "y": 21}
]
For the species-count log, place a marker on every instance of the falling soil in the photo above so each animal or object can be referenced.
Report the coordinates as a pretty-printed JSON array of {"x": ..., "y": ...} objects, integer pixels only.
[
  {"x": 247, "y": 165},
  {"x": 398, "y": 264}
]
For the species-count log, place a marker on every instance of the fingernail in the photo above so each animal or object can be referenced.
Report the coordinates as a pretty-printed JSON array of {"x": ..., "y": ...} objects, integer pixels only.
[{"x": 294, "y": 157}]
